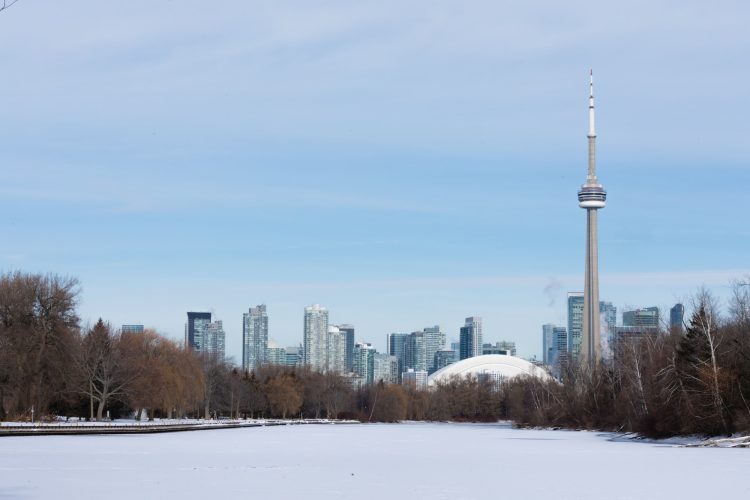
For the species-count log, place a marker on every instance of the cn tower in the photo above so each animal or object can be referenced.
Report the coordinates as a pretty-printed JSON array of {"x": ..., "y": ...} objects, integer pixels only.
[{"x": 591, "y": 198}]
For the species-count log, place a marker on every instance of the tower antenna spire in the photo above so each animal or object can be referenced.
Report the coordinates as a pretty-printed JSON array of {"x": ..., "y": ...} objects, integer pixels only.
[{"x": 592, "y": 126}]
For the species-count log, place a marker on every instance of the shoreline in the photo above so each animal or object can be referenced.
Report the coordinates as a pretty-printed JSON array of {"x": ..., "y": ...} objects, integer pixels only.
[{"x": 102, "y": 428}]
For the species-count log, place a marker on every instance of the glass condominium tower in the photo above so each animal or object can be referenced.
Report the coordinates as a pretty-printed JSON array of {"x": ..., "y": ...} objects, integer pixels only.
[
  {"x": 254, "y": 337},
  {"x": 195, "y": 330},
  {"x": 575, "y": 324},
  {"x": 471, "y": 337},
  {"x": 316, "y": 337}
]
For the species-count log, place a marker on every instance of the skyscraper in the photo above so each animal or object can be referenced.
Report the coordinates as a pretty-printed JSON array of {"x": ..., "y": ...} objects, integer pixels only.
[
  {"x": 364, "y": 361},
  {"x": 642, "y": 318},
  {"x": 471, "y": 337},
  {"x": 575, "y": 323},
  {"x": 561, "y": 349},
  {"x": 434, "y": 341},
  {"x": 396, "y": 343},
  {"x": 254, "y": 337},
  {"x": 336, "y": 350},
  {"x": 609, "y": 314},
  {"x": 214, "y": 339},
  {"x": 445, "y": 357},
  {"x": 385, "y": 369},
  {"x": 348, "y": 332},
  {"x": 591, "y": 197},
  {"x": 548, "y": 343},
  {"x": 131, "y": 329},
  {"x": 608, "y": 325},
  {"x": 677, "y": 318},
  {"x": 315, "y": 337},
  {"x": 195, "y": 329},
  {"x": 415, "y": 351}
]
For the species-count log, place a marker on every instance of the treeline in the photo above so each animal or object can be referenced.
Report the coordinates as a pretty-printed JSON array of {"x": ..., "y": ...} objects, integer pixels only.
[
  {"x": 673, "y": 383},
  {"x": 697, "y": 381},
  {"x": 51, "y": 365}
]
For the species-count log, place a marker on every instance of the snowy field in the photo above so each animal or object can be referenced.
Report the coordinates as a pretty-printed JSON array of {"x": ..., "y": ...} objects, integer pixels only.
[{"x": 400, "y": 461}]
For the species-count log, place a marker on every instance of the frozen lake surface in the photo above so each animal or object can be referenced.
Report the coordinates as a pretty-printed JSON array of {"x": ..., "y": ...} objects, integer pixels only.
[{"x": 402, "y": 461}]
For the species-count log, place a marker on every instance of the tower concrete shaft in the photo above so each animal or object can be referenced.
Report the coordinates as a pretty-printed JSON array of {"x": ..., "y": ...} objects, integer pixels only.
[
  {"x": 590, "y": 334},
  {"x": 591, "y": 197}
]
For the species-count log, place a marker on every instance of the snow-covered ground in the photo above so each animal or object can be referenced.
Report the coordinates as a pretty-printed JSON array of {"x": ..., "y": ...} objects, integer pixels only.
[{"x": 400, "y": 461}]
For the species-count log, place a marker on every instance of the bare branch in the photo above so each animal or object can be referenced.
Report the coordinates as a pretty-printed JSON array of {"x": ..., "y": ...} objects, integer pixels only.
[{"x": 7, "y": 4}]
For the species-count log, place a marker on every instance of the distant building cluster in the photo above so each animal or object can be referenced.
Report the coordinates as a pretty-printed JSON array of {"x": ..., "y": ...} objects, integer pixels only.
[
  {"x": 204, "y": 335},
  {"x": 331, "y": 348},
  {"x": 561, "y": 344}
]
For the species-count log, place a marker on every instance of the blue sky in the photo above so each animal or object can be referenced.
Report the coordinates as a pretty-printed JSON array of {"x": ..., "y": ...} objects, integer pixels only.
[{"x": 403, "y": 164}]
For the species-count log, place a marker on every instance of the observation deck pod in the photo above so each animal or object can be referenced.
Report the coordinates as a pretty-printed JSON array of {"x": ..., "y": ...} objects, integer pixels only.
[{"x": 592, "y": 196}]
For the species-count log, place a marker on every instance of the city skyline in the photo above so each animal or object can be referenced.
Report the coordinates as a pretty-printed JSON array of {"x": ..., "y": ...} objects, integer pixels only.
[{"x": 225, "y": 160}]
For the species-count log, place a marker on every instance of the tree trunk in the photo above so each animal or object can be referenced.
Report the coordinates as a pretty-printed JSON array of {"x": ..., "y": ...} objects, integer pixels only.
[
  {"x": 91, "y": 401},
  {"x": 36, "y": 384},
  {"x": 100, "y": 410}
]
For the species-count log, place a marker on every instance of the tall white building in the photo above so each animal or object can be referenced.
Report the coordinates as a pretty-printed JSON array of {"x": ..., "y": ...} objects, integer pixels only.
[
  {"x": 434, "y": 341},
  {"x": 215, "y": 339},
  {"x": 254, "y": 337},
  {"x": 415, "y": 378},
  {"x": 336, "y": 350},
  {"x": 575, "y": 324},
  {"x": 385, "y": 369},
  {"x": 315, "y": 339}
]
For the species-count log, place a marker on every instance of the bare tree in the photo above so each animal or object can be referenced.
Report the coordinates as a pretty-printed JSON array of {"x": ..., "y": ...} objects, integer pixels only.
[
  {"x": 337, "y": 394},
  {"x": 38, "y": 323},
  {"x": 699, "y": 355},
  {"x": 739, "y": 302},
  {"x": 213, "y": 371},
  {"x": 253, "y": 397},
  {"x": 107, "y": 372},
  {"x": 7, "y": 4}
]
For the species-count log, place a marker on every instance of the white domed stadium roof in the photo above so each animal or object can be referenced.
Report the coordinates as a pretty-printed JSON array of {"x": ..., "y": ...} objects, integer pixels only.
[{"x": 497, "y": 366}]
